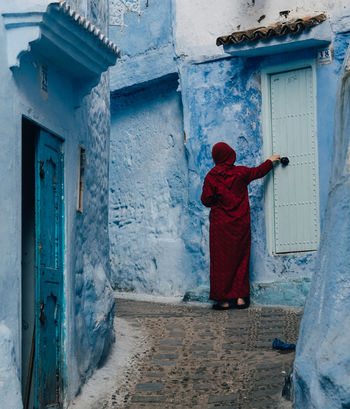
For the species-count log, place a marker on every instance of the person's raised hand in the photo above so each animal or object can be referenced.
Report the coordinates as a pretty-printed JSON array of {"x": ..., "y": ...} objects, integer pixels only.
[{"x": 275, "y": 158}]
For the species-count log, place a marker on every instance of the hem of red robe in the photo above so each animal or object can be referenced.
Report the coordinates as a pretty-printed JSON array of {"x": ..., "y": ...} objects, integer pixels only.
[{"x": 229, "y": 297}]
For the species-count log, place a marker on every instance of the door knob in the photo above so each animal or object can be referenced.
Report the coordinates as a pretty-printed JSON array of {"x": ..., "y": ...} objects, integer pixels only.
[{"x": 284, "y": 161}]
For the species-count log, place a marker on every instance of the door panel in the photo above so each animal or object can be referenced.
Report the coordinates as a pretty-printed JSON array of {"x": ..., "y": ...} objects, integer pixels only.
[
  {"x": 295, "y": 187},
  {"x": 49, "y": 265}
]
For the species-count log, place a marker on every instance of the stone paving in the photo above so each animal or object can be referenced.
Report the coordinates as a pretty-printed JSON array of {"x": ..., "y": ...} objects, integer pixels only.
[{"x": 204, "y": 359}]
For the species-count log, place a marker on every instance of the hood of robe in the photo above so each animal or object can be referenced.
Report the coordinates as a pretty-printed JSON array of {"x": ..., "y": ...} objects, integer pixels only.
[
  {"x": 223, "y": 154},
  {"x": 224, "y": 158}
]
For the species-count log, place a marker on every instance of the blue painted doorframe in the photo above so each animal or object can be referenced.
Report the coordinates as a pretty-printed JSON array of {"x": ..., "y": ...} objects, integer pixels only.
[{"x": 49, "y": 270}]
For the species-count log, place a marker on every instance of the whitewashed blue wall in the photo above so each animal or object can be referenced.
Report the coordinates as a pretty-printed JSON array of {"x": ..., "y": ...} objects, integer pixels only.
[
  {"x": 322, "y": 364},
  {"x": 221, "y": 100},
  {"x": 88, "y": 295},
  {"x": 148, "y": 211}
]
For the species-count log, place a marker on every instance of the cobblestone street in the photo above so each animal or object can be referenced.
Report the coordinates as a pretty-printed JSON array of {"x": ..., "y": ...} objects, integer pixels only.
[{"x": 203, "y": 359}]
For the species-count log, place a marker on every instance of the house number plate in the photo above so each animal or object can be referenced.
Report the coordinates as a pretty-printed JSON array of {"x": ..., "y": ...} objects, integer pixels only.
[{"x": 324, "y": 56}]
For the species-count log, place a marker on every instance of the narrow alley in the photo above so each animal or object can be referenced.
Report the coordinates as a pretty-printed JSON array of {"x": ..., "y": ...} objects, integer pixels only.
[
  {"x": 157, "y": 156},
  {"x": 194, "y": 357}
]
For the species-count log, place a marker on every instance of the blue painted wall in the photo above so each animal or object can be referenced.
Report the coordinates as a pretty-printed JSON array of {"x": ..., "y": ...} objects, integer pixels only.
[
  {"x": 225, "y": 104},
  {"x": 144, "y": 32},
  {"x": 322, "y": 364},
  {"x": 9, "y": 248},
  {"x": 89, "y": 302},
  {"x": 146, "y": 44},
  {"x": 148, "y": 194},
  {"x": 221, "y": 101}
]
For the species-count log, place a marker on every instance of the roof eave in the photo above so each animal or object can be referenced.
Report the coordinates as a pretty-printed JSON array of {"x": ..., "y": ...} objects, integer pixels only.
[
  {"x": 56, "y": 33},
  {"x": 318, "y": 35}
]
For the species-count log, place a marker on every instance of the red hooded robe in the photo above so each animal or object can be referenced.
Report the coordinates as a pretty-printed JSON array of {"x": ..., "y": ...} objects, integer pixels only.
[{"x": 225, "y": 191}]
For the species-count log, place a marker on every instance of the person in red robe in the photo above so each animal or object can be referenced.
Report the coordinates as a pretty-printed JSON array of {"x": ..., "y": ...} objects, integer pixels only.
[{"x": 225, "y": 191}]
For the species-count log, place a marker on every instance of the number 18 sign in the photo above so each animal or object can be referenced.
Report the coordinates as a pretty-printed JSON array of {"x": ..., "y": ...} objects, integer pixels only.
[{"x": 324, "y": 56}]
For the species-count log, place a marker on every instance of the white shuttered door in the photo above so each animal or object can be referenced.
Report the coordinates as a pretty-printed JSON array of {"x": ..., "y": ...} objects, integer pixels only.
[{"x": 296, "y": 194}]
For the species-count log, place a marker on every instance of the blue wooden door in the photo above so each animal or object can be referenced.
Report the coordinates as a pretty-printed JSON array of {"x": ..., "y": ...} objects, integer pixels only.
[
  {"x": 295, "y": 187},
  {"x": 49, "y": 270}
]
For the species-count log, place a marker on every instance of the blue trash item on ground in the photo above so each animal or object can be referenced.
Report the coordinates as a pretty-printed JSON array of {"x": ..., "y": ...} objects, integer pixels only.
[{"x": 278, "y": 344}]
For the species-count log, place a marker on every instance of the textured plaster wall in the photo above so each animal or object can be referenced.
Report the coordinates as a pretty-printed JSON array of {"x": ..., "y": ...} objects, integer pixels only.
[
  {"x": 145, "y": 38},
  {"x": 322, "y": 364},
  {"x": 221, "y": 100},
  {"x": 145, "y": 26},
  {"x": 149, "y": 179},
  {"x": 149, "y": 174},
  {"x": 9, "y": 247},
  {"x": 88, "y": 297},
  {"x": 230, "y": 92},
  {"x": 97, "y": 13},
  {"x": 22, "y": 7},
  {"x": 10, "y": 386},
  {"x": 90, "y": 300},
  {"x": 81, "y": 6},
  {"x": 89, "y": 293},
  {"x": 199, "y": 23}
]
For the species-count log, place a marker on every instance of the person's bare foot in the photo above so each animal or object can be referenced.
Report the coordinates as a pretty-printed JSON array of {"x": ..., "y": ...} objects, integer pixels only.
[
  {"x": 240, "y": 301},
  {"x": 221, "y": 305}
]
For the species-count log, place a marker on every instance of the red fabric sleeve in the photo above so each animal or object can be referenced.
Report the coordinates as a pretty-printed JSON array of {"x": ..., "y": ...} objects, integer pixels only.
[
  {"x": 259, "y": 171},
  {"x": 208, "y": 196}
]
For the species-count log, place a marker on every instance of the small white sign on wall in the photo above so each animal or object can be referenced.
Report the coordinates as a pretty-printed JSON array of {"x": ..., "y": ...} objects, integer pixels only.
[{"x": 324, "y": 56}]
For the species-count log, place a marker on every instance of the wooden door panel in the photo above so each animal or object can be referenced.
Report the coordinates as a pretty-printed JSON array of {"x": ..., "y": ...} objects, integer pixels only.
[
  {"x": 295, "y": 187},
  {"x": 49, "y": 263}
]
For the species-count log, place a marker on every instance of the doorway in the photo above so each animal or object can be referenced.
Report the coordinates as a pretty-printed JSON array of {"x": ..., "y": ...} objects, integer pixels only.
[
  {"x": 42, "y": 267},
  {"x": 289, "y": 103}
]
